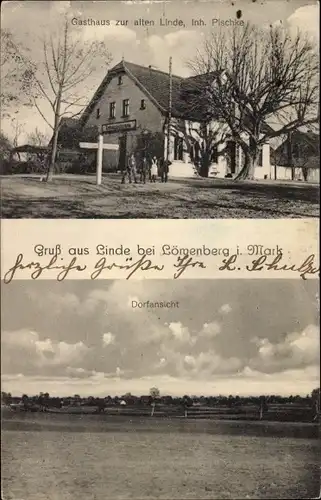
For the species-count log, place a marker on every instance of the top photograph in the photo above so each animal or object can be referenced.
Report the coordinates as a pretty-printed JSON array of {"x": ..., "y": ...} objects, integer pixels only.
[{"x": 160, "y": 110}]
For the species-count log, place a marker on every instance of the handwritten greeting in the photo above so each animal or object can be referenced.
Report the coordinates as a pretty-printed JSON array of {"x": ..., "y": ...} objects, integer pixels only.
[{"x": 61, "y": 268}]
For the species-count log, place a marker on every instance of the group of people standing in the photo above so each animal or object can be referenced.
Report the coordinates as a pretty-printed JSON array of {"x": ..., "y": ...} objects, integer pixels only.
[{"x": 147, "y": 169}]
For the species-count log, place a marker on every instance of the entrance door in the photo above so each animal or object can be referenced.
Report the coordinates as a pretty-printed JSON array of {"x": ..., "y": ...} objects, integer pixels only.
[{"x": 122, "y": 152}]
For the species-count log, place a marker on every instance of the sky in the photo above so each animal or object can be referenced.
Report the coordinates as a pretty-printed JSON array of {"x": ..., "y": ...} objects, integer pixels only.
[
  {"x": 245, "y": 337},
  {"x": 29, "y": 21}
]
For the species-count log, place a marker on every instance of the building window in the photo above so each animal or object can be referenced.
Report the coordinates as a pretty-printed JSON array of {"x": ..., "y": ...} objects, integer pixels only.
[
  {"x": 112, "y": 110},
  {"x": 142, "y": 104},
  {"x": 125, "y": 107},
  {"x": 178, "y": 148},
  {"x": 98, "y": 113},
  {"x": 120, "y": 80}
]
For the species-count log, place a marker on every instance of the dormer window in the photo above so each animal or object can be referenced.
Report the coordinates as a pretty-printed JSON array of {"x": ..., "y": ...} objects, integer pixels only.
[
  {"x": 142, "y": 104},
  {"x": 98, "y": 113},
  {"x": 120, "y": 80}
]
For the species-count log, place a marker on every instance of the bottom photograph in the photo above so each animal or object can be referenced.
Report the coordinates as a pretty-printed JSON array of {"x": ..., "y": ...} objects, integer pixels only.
[{"x": 191, "y": 389}]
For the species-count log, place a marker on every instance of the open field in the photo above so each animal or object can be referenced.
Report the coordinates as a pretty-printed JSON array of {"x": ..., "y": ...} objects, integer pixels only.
[
  {"x": 71, "y": 196},
  {"x": 63, "y": 457}
]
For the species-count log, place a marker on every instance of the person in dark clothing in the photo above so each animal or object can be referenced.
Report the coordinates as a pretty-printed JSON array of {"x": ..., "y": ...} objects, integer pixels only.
[
  {"x": 130, "y": 170},
  {"x": 164, "y": 169},
  {"x": 144, "y": 170}
]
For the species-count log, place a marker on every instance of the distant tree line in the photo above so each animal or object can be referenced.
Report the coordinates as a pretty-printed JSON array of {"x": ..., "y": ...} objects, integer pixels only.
[{"x": 45, "y": 401}]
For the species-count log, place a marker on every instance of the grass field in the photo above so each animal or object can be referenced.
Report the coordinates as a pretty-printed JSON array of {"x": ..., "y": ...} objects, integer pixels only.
[
  {"x": 79, "y": 197},
  {"x": 51, "y": 457}
]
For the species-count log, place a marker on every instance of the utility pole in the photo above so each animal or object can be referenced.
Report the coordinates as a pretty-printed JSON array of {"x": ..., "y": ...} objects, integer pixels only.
[
  {"x": 169, "y": 110},
  {"x": 99, "y": 160},
  {"x": 290, "y": 155}
]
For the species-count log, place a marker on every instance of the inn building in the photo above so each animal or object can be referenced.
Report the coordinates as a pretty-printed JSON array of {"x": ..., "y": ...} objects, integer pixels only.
[{"x": 131, "y": 107}]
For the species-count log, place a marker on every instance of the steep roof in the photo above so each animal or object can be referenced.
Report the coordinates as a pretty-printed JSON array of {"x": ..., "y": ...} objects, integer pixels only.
[
  {"x": 310, "y": 140},
  {"x": 187, "y": 93},
  {"x": 305, "y": 150},
  {"x": 155, "y": 84}
]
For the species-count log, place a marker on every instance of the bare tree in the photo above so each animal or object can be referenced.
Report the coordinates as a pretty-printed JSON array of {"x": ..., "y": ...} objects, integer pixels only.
[
  {"x": 255, "y": 76},
  {"x": 15, "y": 75},
  {"x": 202, "y": 135},
  {"x": 17, "y": 131},
  {"x": 60, "y": 80},
  {"x": 40, "y": 140},
  {"x": 154, "y": 392},
  {"x": 203, "y": 140},
  {"x": 37, "y": 138}
]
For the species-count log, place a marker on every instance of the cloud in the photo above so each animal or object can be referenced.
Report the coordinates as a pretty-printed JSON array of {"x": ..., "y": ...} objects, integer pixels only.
[
  {"x": 177, "y": 344},
  {"x": 108, "y": 339},
  {"x": 77, "y": 372},
  {"x": 306, "y": 20},
  {"x": 162, "y": 362},
  {"x": 60, "y": 7},
  {"x": 118, "y": 34},
  {"x": 225, "y": 309},
  {"x": 300, "y": 381},
  {"x": 56, "y": 303},
  {"x": 95, "y": 299},
  {"x": 210, "y": 330},
  {"x": 179, "y": 44},
  {"x": 190, "y": 361},
  {"x": 179, "y": 332},
  {"x": 295, "y": 350},
  {"x": 37, "y": 352},
  {"x": 201, "y": 365},
  {"x": 210, "y": 362},
  {"x": 130, "y": 301}
]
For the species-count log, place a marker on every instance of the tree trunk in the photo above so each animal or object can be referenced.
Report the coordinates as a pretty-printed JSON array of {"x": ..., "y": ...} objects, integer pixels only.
[
  {"x": 248, "y": 169},
  {"x": 205, "y": 165},
  {"x": 290, "y": 155},
  {"x": 203, "y": 170},
  {"x": 305, "y": 173},
  {"x": 51, "y": 166}
]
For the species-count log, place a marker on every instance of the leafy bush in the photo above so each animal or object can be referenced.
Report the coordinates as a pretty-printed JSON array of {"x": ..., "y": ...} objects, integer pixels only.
[
  {"x": 5, "y": 167},
  {"x": 12, "y": 167},
  {"x": 81, "y": 167}
]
